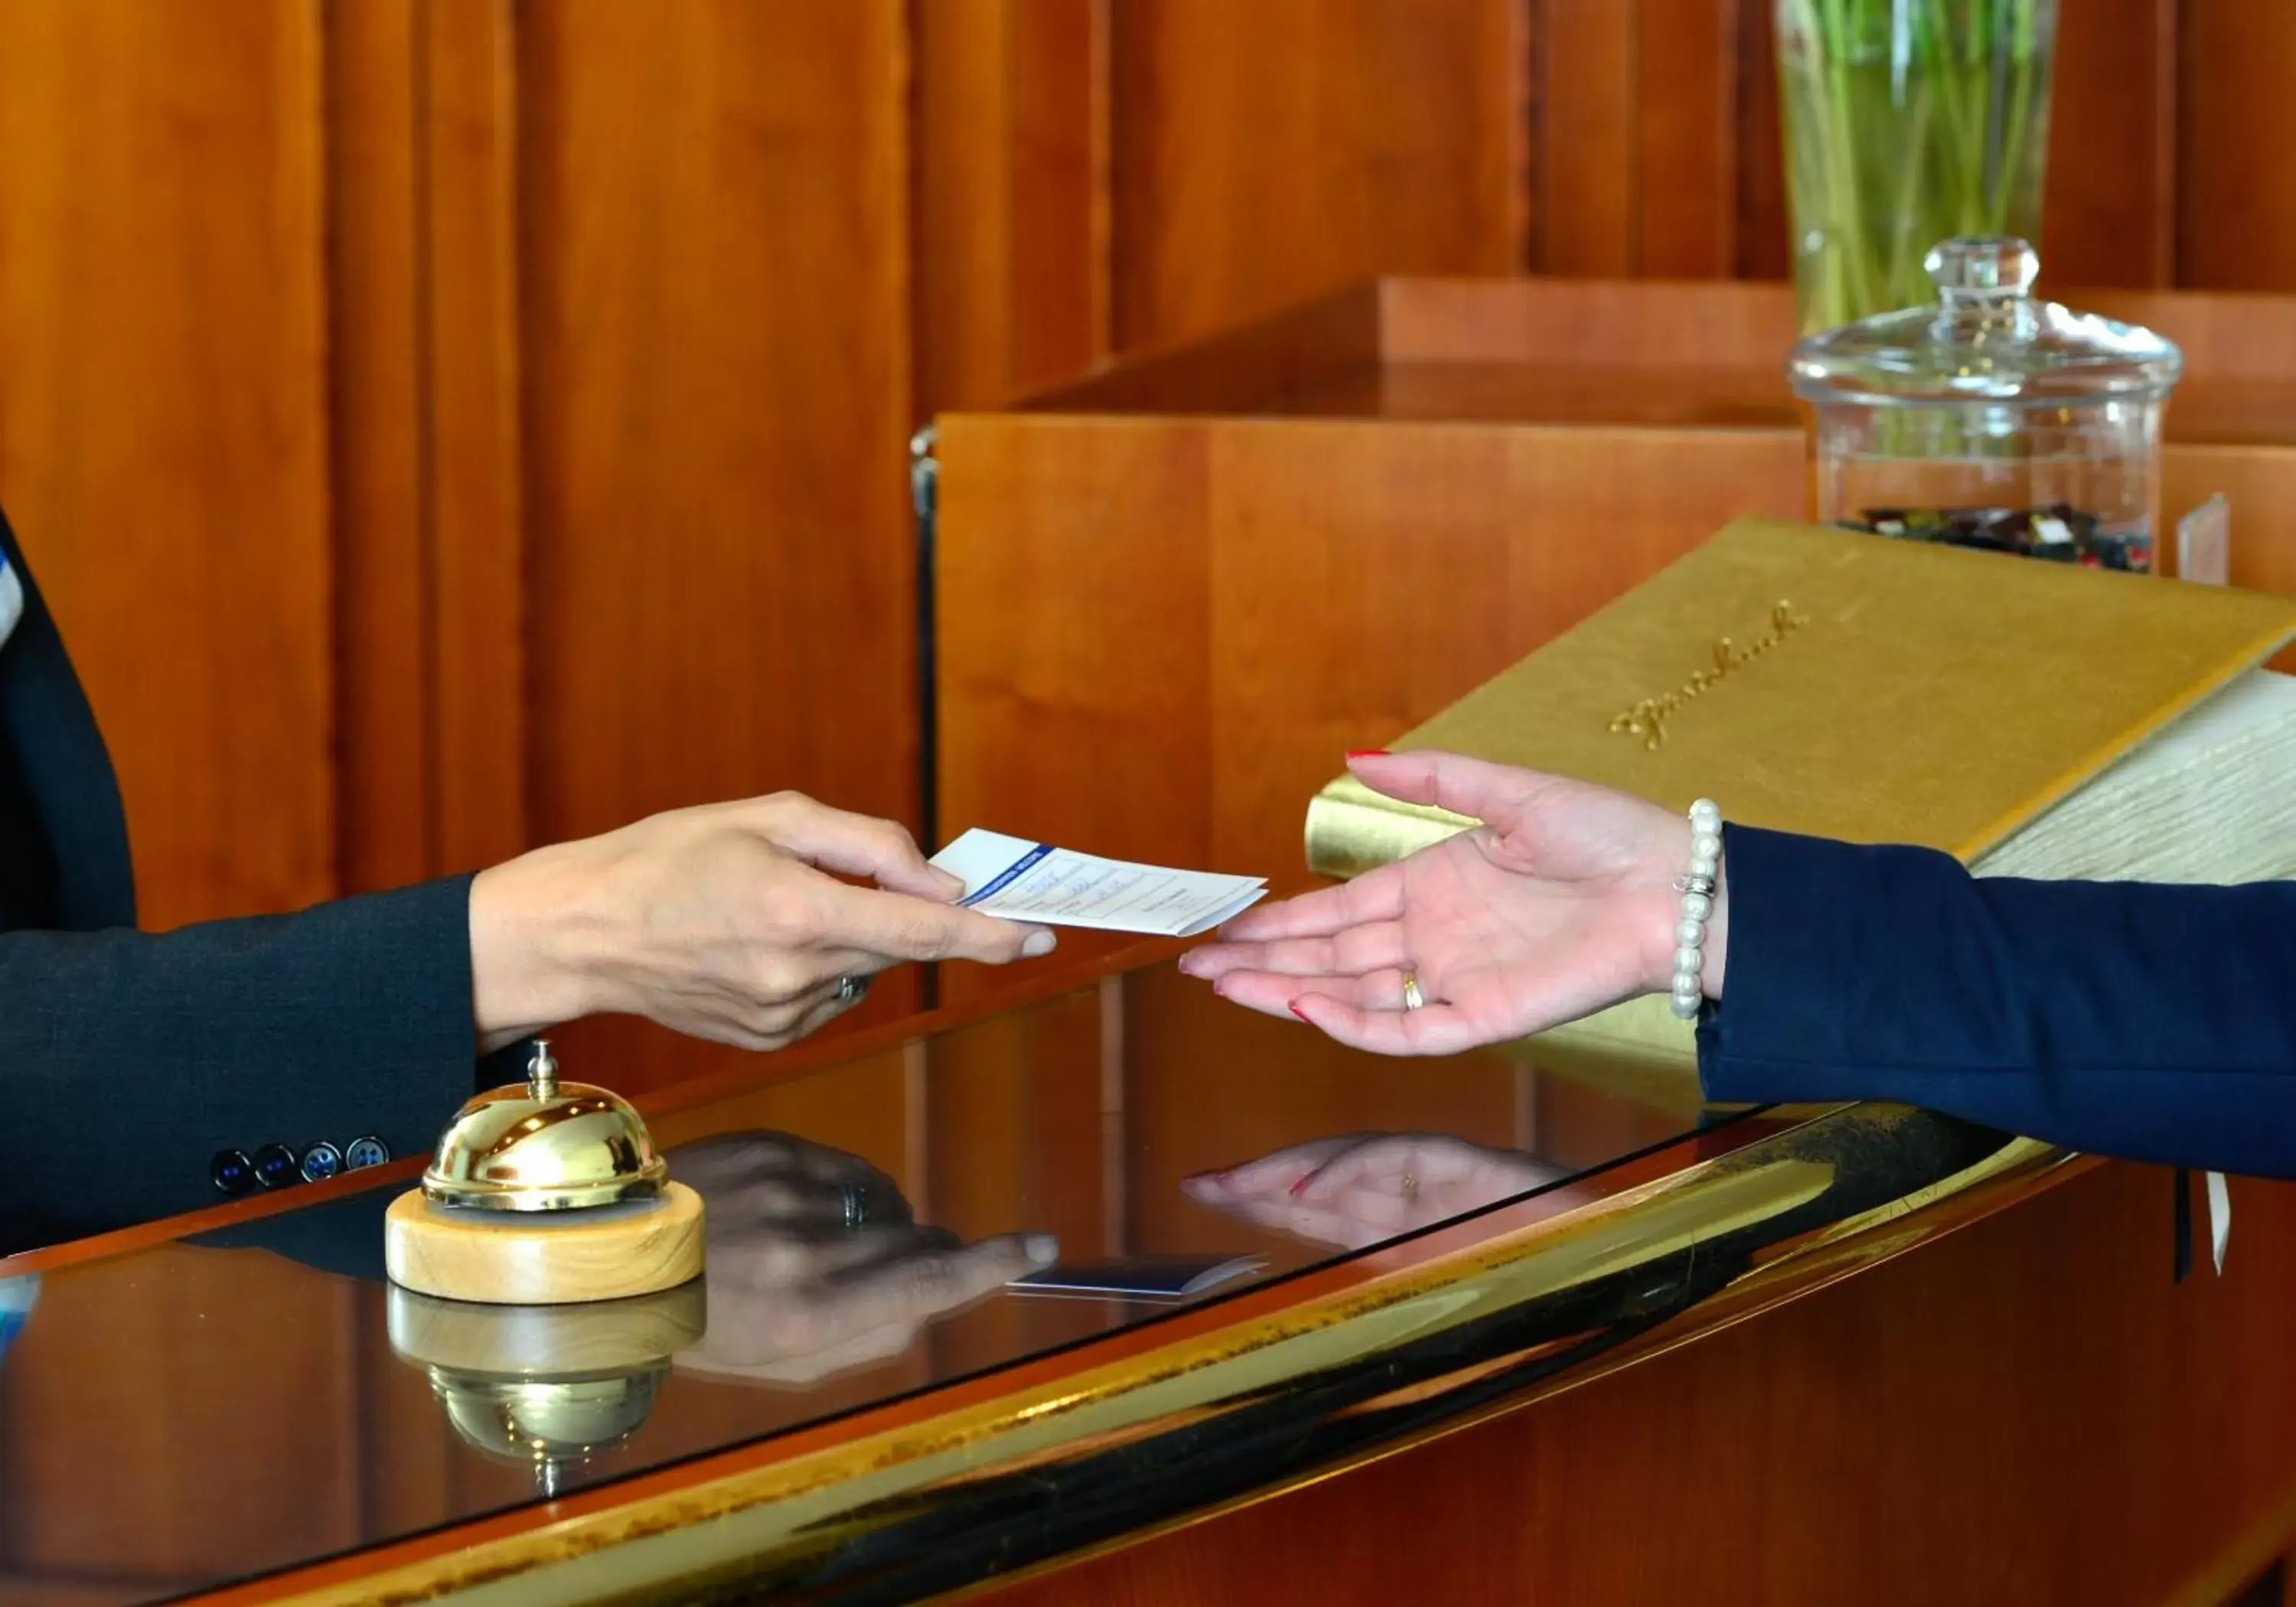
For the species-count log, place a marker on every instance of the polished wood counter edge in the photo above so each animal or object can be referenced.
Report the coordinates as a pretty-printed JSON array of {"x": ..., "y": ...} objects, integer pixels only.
[
  {"x": 745, "y": 1071},
  {"x": 1224, "y": 1403}
]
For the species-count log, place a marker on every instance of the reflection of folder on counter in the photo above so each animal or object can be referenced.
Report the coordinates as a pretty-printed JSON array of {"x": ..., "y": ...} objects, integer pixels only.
[{"x": 2030, "y": 717}]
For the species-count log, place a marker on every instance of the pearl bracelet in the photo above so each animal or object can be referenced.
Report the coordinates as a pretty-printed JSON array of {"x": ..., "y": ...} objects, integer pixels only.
[{"x": 1696, "y": 887}]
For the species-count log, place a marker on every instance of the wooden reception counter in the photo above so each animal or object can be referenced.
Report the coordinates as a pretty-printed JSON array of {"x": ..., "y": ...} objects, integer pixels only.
[
  {"x": 1571, "y": 1360},
  {"x": 1577, "y": 1338}
]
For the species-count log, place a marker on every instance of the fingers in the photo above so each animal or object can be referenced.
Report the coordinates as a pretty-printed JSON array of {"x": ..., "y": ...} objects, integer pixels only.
[
  {"x": 904, "y": 928},
  {"x": 1351, "y": 952},
  {"x": 858, "y": 845},
  {"x": 1268, "y": 992},
  {"x": 821, "y": 1007},
  {"x": 1375, "y": 895},
  {"x": 1472, "y": 787},
  {"x": 1436, "y": 1030},
  {"x": 1273, "y": 992}
]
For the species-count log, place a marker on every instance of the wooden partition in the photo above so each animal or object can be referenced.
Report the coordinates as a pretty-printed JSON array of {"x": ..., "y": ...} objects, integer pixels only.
[{"x": 1173, "y": 595}]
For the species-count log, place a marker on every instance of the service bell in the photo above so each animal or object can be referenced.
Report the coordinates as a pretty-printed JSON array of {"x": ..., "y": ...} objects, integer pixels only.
[{"x": 545, "y": 1145}]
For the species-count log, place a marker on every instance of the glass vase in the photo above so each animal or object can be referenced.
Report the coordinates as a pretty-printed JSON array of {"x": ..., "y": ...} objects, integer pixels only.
[{"x": 1907, "y": 122}]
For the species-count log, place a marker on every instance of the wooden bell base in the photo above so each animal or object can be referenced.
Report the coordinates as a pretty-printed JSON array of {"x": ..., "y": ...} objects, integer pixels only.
[{"x": 543, "y": 1257}]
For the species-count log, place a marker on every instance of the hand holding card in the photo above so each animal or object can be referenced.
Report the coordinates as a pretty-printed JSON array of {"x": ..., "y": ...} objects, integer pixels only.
[{"x": 1021, "y": 879}]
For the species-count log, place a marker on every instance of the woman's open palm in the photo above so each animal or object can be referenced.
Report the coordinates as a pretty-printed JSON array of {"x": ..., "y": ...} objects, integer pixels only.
[{"x": 1559, "y": 904}]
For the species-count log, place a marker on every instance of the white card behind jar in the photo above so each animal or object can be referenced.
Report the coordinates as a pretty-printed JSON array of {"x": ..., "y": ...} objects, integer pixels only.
[{"x": 2204, "y": 543}]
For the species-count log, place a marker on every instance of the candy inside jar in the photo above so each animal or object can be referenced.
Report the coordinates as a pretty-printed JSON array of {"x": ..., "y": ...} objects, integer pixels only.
[{"x": 1990, "y": 420}]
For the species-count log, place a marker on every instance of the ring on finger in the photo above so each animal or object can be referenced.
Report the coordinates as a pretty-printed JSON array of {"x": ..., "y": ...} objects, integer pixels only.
[
  {"x": 1413, "y": 999},
  {"x": 851, "y": 987}
]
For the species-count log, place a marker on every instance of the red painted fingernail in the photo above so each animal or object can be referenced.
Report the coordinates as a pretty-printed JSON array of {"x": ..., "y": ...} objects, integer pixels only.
[
  {"x": 1294, "y": 1008},
  {"x": 1354, "y": 753}
]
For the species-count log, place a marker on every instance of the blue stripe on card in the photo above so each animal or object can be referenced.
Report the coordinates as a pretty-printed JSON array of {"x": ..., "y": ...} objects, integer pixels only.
[{"x": 1009, "y": 875}]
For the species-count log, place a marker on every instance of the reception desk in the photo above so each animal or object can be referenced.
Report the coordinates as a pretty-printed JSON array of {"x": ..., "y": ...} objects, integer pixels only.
[{"x": 1554, "y": 1344}]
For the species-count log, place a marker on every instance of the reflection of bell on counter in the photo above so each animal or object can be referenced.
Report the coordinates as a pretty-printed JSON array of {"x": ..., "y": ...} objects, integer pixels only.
[
  {"x": 549, "y": 1388},
  {"x": 544, "y": 1194}
]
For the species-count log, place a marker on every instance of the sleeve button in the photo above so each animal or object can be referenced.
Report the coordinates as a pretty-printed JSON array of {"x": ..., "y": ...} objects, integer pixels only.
[
  {"x": 277, "y": 1165},
  {"x": 364, "y": 1152},
  {"x": 232, "y": 1173}
]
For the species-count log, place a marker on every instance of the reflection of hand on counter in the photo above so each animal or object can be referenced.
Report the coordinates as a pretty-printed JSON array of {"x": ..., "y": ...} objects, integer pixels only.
[
  {"x": 1356, "y": 1191},
  {"x": 815, "y": 1263}
]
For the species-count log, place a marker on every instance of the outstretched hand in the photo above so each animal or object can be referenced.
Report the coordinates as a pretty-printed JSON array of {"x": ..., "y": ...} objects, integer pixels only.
[
  {"x": 753, "y": 923},
  {"x": 1559, "y": 904}
]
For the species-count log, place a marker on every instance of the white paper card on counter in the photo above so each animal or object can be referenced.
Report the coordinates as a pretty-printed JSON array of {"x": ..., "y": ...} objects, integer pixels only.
[{"x": 1018, "y": 878}]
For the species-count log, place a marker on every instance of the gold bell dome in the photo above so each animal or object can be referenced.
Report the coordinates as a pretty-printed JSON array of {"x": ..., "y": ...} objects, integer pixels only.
[{"x": 544, "y": 1146}]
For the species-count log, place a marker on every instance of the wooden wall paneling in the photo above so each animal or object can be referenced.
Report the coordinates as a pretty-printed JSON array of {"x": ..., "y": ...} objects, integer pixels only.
[
  {"x": 1765, "y": 250},
  {"x": 1062, "y": 132},
  {"x": 1588, "y": 166},
  {"x": 1011, "y": 249},
  {"x": 476, "y": 618},
  {"x": 714, "y": 299},
  {"x": 2235, "y": 146},
  {"x": 1690, "y": 63},
  {"x": 1263, "y": 154},
  {"x": 163, "y": 419},
  {"x": 375, "y": 376},
  {"x": 2108, "y": 206},
  {"x": 423, "y": 365},
  {"x": 1642, "y": 121}
]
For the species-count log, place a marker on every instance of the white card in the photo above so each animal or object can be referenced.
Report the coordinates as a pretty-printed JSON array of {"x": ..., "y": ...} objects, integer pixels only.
[
  {"x": 1017, "y": 879},
  {"x": 2204, "y": 542}
]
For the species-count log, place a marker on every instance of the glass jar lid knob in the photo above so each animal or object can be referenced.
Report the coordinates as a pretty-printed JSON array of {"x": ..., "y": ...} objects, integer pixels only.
[{"x": 1984, "y": 265}]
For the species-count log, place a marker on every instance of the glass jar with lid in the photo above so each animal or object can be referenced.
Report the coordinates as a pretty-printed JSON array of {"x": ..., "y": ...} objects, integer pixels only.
[{"x": 1992, "y": 419}]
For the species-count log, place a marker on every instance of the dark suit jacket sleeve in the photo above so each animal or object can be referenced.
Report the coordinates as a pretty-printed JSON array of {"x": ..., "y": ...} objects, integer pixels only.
[
  {"x": 350, "y": 1019},
  {"x": 2145, "y": 1021}
]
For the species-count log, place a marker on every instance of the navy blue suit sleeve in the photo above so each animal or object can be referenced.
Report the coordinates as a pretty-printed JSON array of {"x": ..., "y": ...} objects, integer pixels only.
[
  {"x": 2145, "y": 1021},
  {"x": 127, "y": 1059}
]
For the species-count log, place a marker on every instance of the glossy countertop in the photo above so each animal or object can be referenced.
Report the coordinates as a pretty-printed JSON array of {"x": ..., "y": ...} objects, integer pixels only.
[{"x": 867, "y": 1411}]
